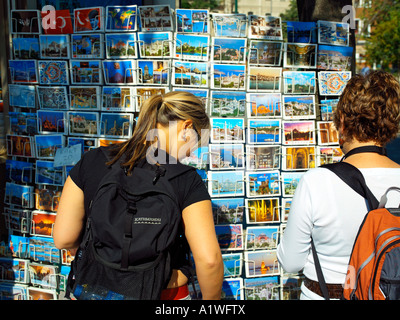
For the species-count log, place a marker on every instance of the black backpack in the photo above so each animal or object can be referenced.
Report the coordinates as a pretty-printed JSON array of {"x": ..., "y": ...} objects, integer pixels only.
[{"x": 132, "y": 224}]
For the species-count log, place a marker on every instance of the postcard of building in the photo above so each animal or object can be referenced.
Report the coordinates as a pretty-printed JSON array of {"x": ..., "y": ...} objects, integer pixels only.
[
  {"x": 264, "y": 79},
  {"x": 232, "y": 289},
  {"x": 116, "y": 125},
  {"x": 298, "y": 158},
  {"x": 23, "y": 71},
  {"x": 299, "y": 107},
  {"x": 230, "y": 236},
  {"x": 227, "y": 130},
  {"x": 299, "y": 82},
  {"x": 119, "y": 72},
  {"x": 228, "y": 76},
  {"x": 141, "y": 94},
  {"x": 121, "y": 18},
  {"x": 43, "y": 275},
  {"x": 155, "y": 18},
  {"x": 291, "y": 287},
  {"x": 118, "y": 98},
  {"x": 18, "y": 195},
  {"x": 86, "y": 72},
  {"x": 298, "y": 132},
  {"x": 229, "y": 25},
  {"x": 264, "y": 288},
  {"x": 262, "y": 237},
  {"x": 264, "y": 105},
  {"x": 42, "y": 223},
  {"x": 19, "y": 171},
  {"x": 261, "y": 263},
  {"x": 265, "y": 27},
  {"x": 16, "y": 219},
  {"x": 121, "y": 46},
  {"x": 202, "y": 94},
  {"x": 23, "y": 96},
  {"x": 26, "y": 48},
  {"x": 14, "y": 270},
  {"x": 198, "y": 158},
  {"x": 47, "y": 198},
  {"x": 265, "y": 131},
  {"x": 233, "y": 264},
  {"x": 192, "y": 74},
  {"x": 60, "y": 24},
  {"x": 87, "y": 143},
  {"x": 191, "y": 20},
  {"x": 52, "y": 97},
  {"x": 337, "y": 58},
  {"x": 21, "y": 146},
  {"x": 89, "y": 19},
  {"x": 335, "y": 33},
  {"x": 327, "y": 108},
  {"x": 55, "y": 46},
  {"x": 265, "y": 53},
  {"x": 23, "y": 123},
  {"x": 87, "y": 46},
  {"x": 50, "y": 121},
  {"x": 226, "y": 183},
  {"x": 228, "y": 103},
  {"x": 155, "y": 44},
  {"x": 332, "y": 83},
  {"x": 47, "y": 145},
  {"x": 327, "y": 133},
  {"x": 85, "y": 97},
  {"x": 25, "y": 22},
  {"x": 300, "y": 55},
  {"x": 47, "y": 173},
  {"x": 290, "y": 181},
  {"x": 286, "y": 203},
  {"x": 52, "y": 72},
  {"x": 263, "y": 157},
  {"x": 228, "y": 210},
  {"x": 153, "y": 72},
  {"x": 328, "y": 154},
  {"x": 301, "y": 32},
  {"x": 192, "y": 47},
  {"x": 83, "y": 123},
  {"x": 263, "y": 183},
  {"x": 226, "y": 156},
  {"x": 228, "y": 50}
]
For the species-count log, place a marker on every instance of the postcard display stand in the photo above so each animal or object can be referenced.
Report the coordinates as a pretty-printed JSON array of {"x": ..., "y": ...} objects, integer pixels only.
[{"x": 268, "y": 86}]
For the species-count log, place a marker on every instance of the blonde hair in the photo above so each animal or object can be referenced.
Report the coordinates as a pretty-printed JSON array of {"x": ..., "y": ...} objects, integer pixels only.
[{"x": 160, "y": 109}]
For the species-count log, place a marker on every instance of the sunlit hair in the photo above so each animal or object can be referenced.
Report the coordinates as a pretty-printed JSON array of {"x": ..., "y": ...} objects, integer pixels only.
[
  {"x": 160, "y": 109},
  {"x": 369, "y": 108}
]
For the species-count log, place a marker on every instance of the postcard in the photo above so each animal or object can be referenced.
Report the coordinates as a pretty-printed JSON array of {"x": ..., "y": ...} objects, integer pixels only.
[
  {"x": 25, "y": 21},
  {"x": 14, "y": 270},
  {"x": 228, "y": 210},
  {"x": 19, "y": 171},
  {"x": 192, "y": 74},
  {"x": 89, "y": 19},
  {"x": 232, "y": 264},
  {"x": 332, "y": 82},
  {"x": 265, "y": 288},
  {"x": 85, "y": 98},
  {"x": 229, "y": 25},
  {"x": 329, "y": 154},
  {"x": 23, "y": 123},
  {"x": 290, "y": 180},
  {"x": 298, "y": 132},
  {"x": 13, "y": 291},
  {"x": 116, "y": 125},
  {"x": 227, "y": 130},
  {"x": 327, "y": 109},
  {"x": 202, "y": 94},
  {"x": 232, "y": 289},
  {"x": 143, "y": 93},
  {"x": 52, "y": 121},
  {"x": 54, "y": 46},
  {"x": 53, "y": 72},
  {"x": 299, "y": 82},
  {"x": 23, "y": 71},
  {"x": 260, "y": 210},
  {"x": 301, "y": 32},
  {"x": 230, "y": 236},
  {"x": 43, "y": 275},
  {"x": 47, "y": 145},
  {"x": 67, "y": 257},
  {"x": 87, "y": 46},
  {"x": 121, "y": 18},
  {"x": 16, "y": 246},
  {"x": 264, "y": 79},
  {"x": 21, "y": 146},
  {"x": 291, "y": 287},
  {"x": 265, "y": 27},
  {"x": 119, "y": 72},
  {"x": 86, "y": 72},
  {"x": 23, "y": 96},
  {"x": 26, "y": 48},
  {"x": 34, "y": 293},
  {"x": 335, "y": 33},
  {"x": 155, "y": 44},
  {"x": 228, "y": 103},
  {"x": 299, "y": 107},
  {"x": 298, "y": 158},
  {"x": 264, "y": 131},
  {"x": 261, "y": 263},
  {"x": 107, "y": 142},
  {"x": 286, "y": 203},
  {"x": 47, "y": 197},
  {"x": 52, "y": 98},
  {"x": 42, "y": 223},
  {"x": 192, "y": 20},
  {"x": 87, "y": 143},
  {"x": 155, "y": 18},
  {"x": 263, "y": 183},
  {"x": 263, "y": 157},
  {"x": 43, "y": 249},
  {"x": 228, "y": 76},
  {"x": 121, "y": 46},
  {"x": 18, "y": 195},
  {"x": 300, "y": 55},
  {"x": 60, "y": 24},
  {"x": 83, "y": 123},
  {"x": 191, "y": 47},
  {"x": 265, "y": 237},
  {"x": 46, "y": 173},
  {"x": 264, "y": 105},
  {"x": 267, "y": 53},
  {"x": 327, "y": 133},
  {"x": 226, "y": 183},
  {"x": 336, "y": 58},
  {"x": 226, "y": 156},
  {"x": 117, "y": 98},
  {"x": 153, "y": 72},
  {"x": 229, "y": 50},
  {"x": 198, "y": 158}
]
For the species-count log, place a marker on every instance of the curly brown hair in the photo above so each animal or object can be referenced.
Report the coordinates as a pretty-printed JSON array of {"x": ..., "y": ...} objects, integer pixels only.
[{"x": 369, "y": 108}]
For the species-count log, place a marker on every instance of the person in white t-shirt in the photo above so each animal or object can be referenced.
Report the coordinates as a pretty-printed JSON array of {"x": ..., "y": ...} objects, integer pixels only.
[{"x": 324, "y": 207}]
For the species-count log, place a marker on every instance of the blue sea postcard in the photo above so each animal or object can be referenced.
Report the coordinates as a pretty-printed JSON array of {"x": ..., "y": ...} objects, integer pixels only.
[
  {"x": 153, "y": 72},
  {"x": 155, "y": 44},
  {"x": 43, "y": 249},
  {"x": 53, "y": 72},
  {"x": 232, "y": 289},
  {"x": 229, "y": 50},
  {"x": 301, "y": 32},
  {"x": 261, "y": 263},
  {"x": 264, "y": 79},
  {"x": 191, "y": 20},
  {"x": 232, "y": 264},
  {"x": 46, "y": 173},
  {"x": 121, "y": 46},
  {"x": 265, "y": 237},
  {"x": 290, "y": 181},
  {"x": 263, "y": 184},
  {"x": 299, "y": 107},
  {"x": 230, "y": 236},
  {"x": 119, "y": 72},
  {"x": 336, "y": 58},
  {"x": 228, "y": 76},
  {"x": 23, "y": 71},
  {"x": 299, "y": 82},
  {"x": 26, "y": 48},
  {"x": 47, "y": 145},
  {"x": 228, "y": 103},
  {"x": 191, "y": 47},
  {"x": 227, "y": 130},
  {"x": 268, "y": 53},
  {"x": 266, "y": 131},
  {"x": 335, "y": 33},
  {"x": 228, "y": 210},
  {"x": 116, "y": 125},
  {"x": 226, "y": 156},
  {"x": 121, "y": 18},
  {"x": 23, "y": 96},
  {"x": 202, "y": 94},
  {"x": 264, "y": 105},
  {"x": 264, "y": 288},
  {"x": 265, "y": 27},
  {"x": 229, "y": 25},
  {"x": 226, "y": 183},
  {"x": 55, "y": 46},
  {"x": 191, "y": 74},
  {"x": 83, "y": 123}
]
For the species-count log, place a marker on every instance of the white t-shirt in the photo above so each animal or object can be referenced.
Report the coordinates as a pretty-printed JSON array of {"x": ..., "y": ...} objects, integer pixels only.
[{"x": 327, "y": 209}]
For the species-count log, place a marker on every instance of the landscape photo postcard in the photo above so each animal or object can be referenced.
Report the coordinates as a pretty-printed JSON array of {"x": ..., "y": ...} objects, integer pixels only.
[
  {"x": 47, "y": 197},
  {"x": 22, "y": 123},
  {"x": 230, "y": 236},
  {"x": 261, "y": 238},
  {"x": 265, "y": 27},
  {"x": 116, "y": 125},
  {"x": 25, "y": 21},
  {"x": 264, "y": 288},
  {"x": 227, "y": 130},
  {"x": 14, "y": 270},
  {"x": 327, "y": 108},
  {"x": 328, "y": 154},
  {"x": 153, "y": 72},
  {"x": 301, "y": 32},
  {"x": 192, "y": 20},
  {"x": 228, "y": 103},
  {"x": 155, "y": 44},
  {"x": 335, "y": 33},
  {"x": 141, "y": 94},
  {"x": 226, "y": 156},
  {"x": 42, "y": 223},
  {"x": 191, "y": 74},
  {"x": 41, "y": 294},
  {"x": 198, "y": 158},
  {"x": 267, "y": 53},
  {"x": 265, "y": 131},
  {"x": 89, "y": 19},
  {"x": 53, "y": 72},
  {"x": 300, "y": 55},
  {"x": 118, "y": 98},
  {"x": 193, "y": 47},
  {"x": 263, "y": 183},
  {"x": 47, "y": 145},
  {"x": 21, "y": 146},
  {"x": 55, "y": 46},
  {"x": 202, "y": 94},
  {"x": 62, "y": 23},
  {"x": 327, "y": 133},
  {"x": 26, "y": 48},
  {"x": 83, "y": 123},
  {"x": 18, "y": 195},
  {"x": 86, "y": 72},
  {"x": 86, "y": 143},
  {"x": 47, "y": 173},
  {"x": 85, "y": 98},
  {"x": 228, "y": 210},
  {"x": 155, "y": 18},
  {"x": 299, "y": 107},
  {"x": 23, "y": 96},
  {"x": 337, "y": 58},
  {"x": 299, "y": 82},
  {"x": 233, "y": 264},
  {"x": 43, "y": 275},
  {"x": 261, "y": 263},
  {"x": 119, "y": 72},
  {"x": 262, "y": 210},
  {"x": 53, "y": 97},
  {"x": 43, "y": 249},
  {"x": 229, "y": 50},
  {"x": 87, "y": 46},
  {"x": 298, "y": 132},
  {"x": 332, "y": 83},
  {"x": 50, "y": 121},
  {"x": 232, "y": 289},
  {"x": 228, "y": 76},
  {"x": 264, "y": 79},
  {"x": 23, "y": 71},
  {"x": 298, "y": 158},
  {"x": 226, "y": 183},
  {"x": 121, "y": 18},
  {"x": 121, "y": 46},
  {"x": 264, "y": 105},
  {"x": 19, "y": 171},
  {"x": 263, "y": 157},
  {"x": 229, "y": 25},
  {"x": 290, "y": 181}
]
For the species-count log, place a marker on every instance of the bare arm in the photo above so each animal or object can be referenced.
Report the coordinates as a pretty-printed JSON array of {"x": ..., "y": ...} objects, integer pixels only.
[
  {"x": 70, "y": 217},
  {"x": 200, "y": 233}
]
